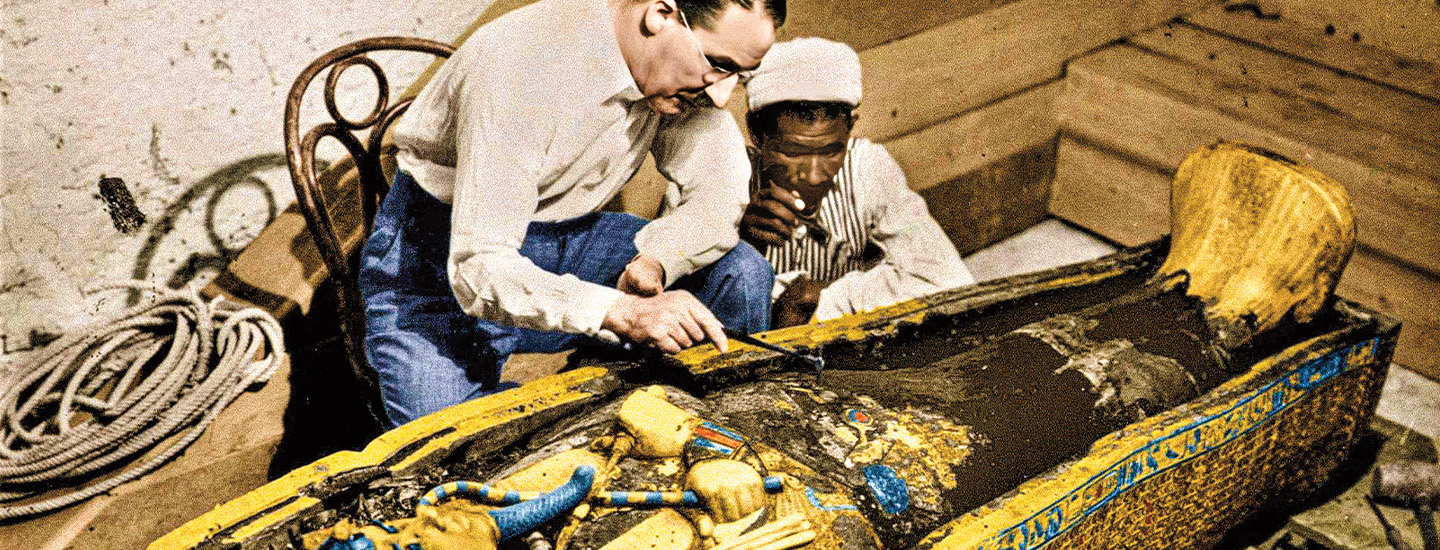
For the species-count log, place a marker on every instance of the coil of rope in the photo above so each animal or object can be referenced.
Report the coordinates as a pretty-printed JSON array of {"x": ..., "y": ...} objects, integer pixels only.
[{"x": 156, "y": 373}]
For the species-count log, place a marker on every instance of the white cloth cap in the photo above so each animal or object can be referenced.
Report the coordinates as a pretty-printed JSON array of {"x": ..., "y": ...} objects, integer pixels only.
[{"x": 806, "y": 69}]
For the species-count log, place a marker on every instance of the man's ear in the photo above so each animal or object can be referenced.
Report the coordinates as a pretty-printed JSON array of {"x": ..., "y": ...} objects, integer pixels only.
[{"x": 659, "y": 14}]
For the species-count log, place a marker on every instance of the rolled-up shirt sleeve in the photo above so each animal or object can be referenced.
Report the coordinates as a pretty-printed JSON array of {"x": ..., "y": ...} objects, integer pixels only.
[
  {"x": 499, "y": 151},
  {"x": 703, "y": 155},
  {"x": 919, "y": 258}
]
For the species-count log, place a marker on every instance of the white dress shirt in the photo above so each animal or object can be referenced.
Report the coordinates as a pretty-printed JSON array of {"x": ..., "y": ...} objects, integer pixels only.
[
  {"x": 537, "y": 118},
  {"x": 878, "y": 244}
]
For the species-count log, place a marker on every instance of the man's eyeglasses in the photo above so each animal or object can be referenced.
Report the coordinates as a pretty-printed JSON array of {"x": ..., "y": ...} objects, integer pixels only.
[{"x": 744, "y": 76}]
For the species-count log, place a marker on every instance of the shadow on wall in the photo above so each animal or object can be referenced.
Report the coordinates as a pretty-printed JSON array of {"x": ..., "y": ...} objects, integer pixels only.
[
  {"x": 212, "y": 189},
  {"x": 322, "y": 414}
]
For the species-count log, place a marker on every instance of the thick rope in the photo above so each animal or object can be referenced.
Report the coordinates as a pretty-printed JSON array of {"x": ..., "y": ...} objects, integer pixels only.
[{"x": 106, "y": 395}]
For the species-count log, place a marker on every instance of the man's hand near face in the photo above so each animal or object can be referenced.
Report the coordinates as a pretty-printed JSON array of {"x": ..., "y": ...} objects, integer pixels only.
[
  {"x": 797, "y": 304},
  {"x": 771, "y": 217}
]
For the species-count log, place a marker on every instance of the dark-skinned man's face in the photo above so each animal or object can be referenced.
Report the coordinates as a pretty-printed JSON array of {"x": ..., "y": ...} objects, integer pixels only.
[{"x": 804, "y": 156}]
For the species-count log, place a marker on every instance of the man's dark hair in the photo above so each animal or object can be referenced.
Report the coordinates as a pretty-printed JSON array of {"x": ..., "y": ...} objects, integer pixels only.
[
  {"x": 765, "y": 123},
  {"x": 702, "y": 13}
]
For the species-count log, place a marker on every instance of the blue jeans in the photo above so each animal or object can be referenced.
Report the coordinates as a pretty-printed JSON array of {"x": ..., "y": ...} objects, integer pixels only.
[{"x": 430, "y": 354}]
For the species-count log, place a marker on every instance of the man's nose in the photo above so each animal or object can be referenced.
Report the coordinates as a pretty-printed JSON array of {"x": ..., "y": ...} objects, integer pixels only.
[
  {"x": 816, "y": 174},
  {"x": 719, "y": 91}
]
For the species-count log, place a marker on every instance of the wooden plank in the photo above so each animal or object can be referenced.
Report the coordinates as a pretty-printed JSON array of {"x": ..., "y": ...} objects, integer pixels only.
[
  {"x": 946, "y": 153},
  {"x": 1110, "y": 195},
  {"x": 1264, "y": 105},
  {"x": 1398, "y": 214},
  {"x": 1094, "y": 186},
  {"x": 996, "y": 201},
  {"x": 921, "y": 80},
  {"x": 976, "y": 139},
  {"x": 867, "y": 23},
  {"x": 1408, "y": 26},
  {"x": 1326, "y": 90},
  {"x": 1412, "y": 296},
  {"x": 1310, "y": 41}
]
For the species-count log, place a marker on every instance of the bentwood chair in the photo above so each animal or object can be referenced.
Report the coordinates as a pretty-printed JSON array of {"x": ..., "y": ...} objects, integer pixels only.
[{"x": 340, "y": 203}]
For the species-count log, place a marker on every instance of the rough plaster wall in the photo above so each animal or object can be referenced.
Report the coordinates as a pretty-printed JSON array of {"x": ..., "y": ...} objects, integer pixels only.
[{"x": 183, "y": 101}]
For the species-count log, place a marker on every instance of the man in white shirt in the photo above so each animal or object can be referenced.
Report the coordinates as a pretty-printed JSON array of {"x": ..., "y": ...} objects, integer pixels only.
[
  {"x": 832, "y": 213},
  {"x": 507, "y": 155}
]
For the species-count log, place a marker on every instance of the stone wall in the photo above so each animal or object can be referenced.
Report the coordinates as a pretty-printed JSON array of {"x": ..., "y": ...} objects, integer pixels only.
[{"x": 180, "y": 100}]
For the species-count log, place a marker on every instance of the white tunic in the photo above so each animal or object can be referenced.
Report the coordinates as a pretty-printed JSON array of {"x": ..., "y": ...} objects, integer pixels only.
[{"x": 537, "y": 118}]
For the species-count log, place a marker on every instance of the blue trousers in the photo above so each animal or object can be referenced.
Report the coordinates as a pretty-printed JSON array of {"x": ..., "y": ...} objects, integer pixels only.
[{"x": 430, "y": 354}]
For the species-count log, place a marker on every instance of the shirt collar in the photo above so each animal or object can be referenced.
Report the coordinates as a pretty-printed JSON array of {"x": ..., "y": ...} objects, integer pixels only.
[{"x": 597, "y": 20}]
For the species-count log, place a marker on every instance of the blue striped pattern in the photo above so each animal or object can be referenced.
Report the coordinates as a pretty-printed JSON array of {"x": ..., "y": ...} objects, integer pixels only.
[
  {"x": 485, "y": 493},
  {"x": 490, "y": 495}
]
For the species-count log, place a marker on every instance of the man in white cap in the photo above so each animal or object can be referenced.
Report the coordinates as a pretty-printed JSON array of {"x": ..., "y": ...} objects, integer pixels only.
[{"x": 832, "y": 213}]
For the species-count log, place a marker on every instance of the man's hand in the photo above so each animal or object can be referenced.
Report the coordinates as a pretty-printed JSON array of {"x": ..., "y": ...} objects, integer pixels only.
[
  {"x": 644, "y": 276},
  {"x": 797, "y": 304},
  {"x": 771, "y": 217},
  {"x": 671, "y": 321}
]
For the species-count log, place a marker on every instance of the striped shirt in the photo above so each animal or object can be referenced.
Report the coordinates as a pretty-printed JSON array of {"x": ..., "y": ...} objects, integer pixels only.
[{"x": 877, "y": 244}]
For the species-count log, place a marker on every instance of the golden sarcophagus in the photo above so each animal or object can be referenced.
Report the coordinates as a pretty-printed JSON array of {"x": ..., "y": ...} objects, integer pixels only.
[{"x": 1164, "y": 393}]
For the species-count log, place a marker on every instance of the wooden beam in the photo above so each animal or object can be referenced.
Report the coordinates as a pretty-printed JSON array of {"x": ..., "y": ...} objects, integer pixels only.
[
  {"x": 1127, "y": 201},
  {"x": 1112, "y": 196},
  {"x": 1273, "y": 108},
  {"x": 867, "y": 23},
  {"x": 996, "y": 201},
  {"x": 974, "y": 140},
  {"x": 1322, "y": 91},
  {"x": 1404, "y": 26},
  {"x": 1130, "y": 108},
  {"x": 923, "y": 79},
  {"x": 1376, "y": 281},
  {"x": 1310, "y": 41}
]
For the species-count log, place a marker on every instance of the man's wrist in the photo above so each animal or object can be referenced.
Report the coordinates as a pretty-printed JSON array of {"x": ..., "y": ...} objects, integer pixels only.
[{"x": 618, "y": 317}]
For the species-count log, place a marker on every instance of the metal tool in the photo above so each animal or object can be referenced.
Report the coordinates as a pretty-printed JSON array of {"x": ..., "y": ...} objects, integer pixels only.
[
  {"x": 1411, "y": 484},
  {"x": 817, "y": 361}
]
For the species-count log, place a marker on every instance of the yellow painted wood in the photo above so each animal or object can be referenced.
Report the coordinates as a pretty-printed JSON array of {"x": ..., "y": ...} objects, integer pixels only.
[
  {"x": 281, "y": 514},
  {"x": 498, "y": 409},
  {"x": 1092, "y": 184},
  {"x": 466, "y": 419},
  {"x": 552, "y": 472},
  {"x": 706, "y": 359},
  {"x": 969, "y": 531},
  {"x": 666, "y": 530},
  {"x": 1260, "y": 236}
]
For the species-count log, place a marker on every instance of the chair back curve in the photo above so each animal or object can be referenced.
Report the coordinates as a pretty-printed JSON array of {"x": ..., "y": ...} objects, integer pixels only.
[{"x": 338, "y": 254}]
